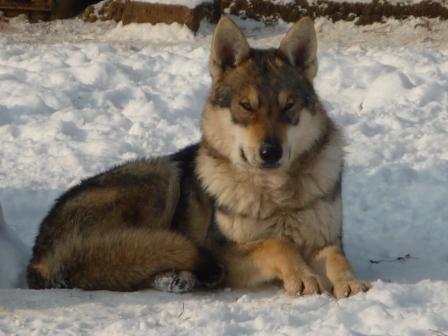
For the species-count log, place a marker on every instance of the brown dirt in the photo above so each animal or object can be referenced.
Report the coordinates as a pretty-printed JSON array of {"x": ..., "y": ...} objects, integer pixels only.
[
  {"x": 110, "y": 10},
  {"x": 361, "y": 13},
  {"x": 44, "y": 9},
  {"x": 127, "y": 11},
  {"x": 157, "y": 13},
  {"x": 267, "y": 11},
  {"x": 139, "y": 12}
]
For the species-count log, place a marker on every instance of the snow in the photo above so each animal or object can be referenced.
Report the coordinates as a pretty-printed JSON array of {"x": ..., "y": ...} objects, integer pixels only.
[
  {"x": 393, "y": 2},
  {"x": 89, "y": 96},
  {"x": 388, "y": 309},
  {"x": 13, "y": 258},
  {"x": 186, "y": 3}
]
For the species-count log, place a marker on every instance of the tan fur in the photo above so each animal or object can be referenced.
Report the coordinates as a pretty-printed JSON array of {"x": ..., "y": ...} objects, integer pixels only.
[
  {"x": 263, "y": 127},
  {"x": 335, "y": 268},
  {"x": 257, "y": 131}
]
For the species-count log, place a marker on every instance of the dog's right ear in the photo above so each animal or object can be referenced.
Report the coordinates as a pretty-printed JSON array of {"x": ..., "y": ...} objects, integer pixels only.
[
  {"x": 300, "y": 47},
  {"x": 229, "y": 47}
]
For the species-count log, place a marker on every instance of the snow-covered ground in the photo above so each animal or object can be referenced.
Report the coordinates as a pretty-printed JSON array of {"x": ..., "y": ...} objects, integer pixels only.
[
  {"x": 77, "y": 98},
  {"x": 186, "y": 3}
]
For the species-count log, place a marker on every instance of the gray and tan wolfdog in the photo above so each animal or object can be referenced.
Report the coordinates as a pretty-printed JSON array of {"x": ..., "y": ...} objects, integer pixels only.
[{"x": 258, "y": 199}]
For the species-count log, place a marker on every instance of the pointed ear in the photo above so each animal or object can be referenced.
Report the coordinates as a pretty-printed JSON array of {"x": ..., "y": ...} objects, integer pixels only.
[
  {"x": 229, "y": 47},
  {"x": 300, "y": 47}
]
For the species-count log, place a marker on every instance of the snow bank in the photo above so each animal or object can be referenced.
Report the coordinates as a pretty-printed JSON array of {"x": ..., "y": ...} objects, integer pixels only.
[
  {"x": 71, "y": 103},
  {"x": 186, "y": 3},
  {"x": 13, "y": 258}
]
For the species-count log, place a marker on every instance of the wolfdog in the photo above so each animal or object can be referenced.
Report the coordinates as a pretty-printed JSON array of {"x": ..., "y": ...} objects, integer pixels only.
[{"x": 258, "y": 199}]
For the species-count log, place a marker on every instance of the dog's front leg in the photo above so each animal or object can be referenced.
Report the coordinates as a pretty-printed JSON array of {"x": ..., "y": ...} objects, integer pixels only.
[
  {"x": 333, "y": 266},
  {"x": 253, "y": 263}
]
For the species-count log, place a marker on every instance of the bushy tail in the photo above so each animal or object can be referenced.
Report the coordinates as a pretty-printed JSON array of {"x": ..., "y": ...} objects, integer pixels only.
[{"x": 120, "y": 261}]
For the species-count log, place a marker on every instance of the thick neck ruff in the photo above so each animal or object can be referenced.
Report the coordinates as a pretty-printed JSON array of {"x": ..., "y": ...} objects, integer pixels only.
[{"x": 314, "y": 175}]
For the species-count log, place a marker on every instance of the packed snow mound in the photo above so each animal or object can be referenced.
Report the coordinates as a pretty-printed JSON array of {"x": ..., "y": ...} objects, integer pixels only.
[
  {"x": 186, "y": 3},
  {"x": 13, "y": 257}
]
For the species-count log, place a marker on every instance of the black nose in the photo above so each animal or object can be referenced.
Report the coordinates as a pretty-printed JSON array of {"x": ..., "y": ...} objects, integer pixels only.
[{"x": 271, "y": 153}]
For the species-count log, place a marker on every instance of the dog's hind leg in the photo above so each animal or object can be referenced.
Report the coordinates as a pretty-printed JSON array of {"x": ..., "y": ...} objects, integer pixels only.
[
  {"x": 126, "y": 260},
  {"x": 120, "y": 260}
]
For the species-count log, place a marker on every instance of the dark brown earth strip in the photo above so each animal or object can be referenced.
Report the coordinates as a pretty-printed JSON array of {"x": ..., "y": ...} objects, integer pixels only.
[
  {"x": 111, "y": 10},
  {"x": 44, "y": 9},
  {"x": 141, "y": 12},
  {"x": 156, "y": 13},
  {"x": 262, "y": 10},
  {"x": 361, "y": 13},
  {"x": 267, "y": 11}
]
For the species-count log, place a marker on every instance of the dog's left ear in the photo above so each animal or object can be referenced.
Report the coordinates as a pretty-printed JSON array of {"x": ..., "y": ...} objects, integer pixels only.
[
  {"x": 300, "y": 47},
  {"x": 229, "y": 47}
]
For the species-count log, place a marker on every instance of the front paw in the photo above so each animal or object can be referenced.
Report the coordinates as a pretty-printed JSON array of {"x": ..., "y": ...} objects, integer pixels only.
[
  {"x": 349, "y": 287},
  {"x": 298, "y": 285}
]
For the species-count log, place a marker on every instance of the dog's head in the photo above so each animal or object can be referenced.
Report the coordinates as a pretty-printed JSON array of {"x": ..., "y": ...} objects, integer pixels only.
[{"x": 262, "y": 110}]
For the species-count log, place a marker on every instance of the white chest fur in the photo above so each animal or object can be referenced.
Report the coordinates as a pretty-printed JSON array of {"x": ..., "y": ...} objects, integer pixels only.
[{"x": 314, "y": 225}]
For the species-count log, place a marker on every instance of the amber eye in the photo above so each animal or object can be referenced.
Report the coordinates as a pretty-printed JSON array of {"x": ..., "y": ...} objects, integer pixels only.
[
  {"x": 245, "y": 105},
  {"x": 289, "y": 105}
]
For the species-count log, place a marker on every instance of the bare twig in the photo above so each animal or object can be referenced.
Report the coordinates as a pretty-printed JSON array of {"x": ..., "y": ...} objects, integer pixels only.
[
  {"x": 399, "y": 259},
  {"x": 182, "y": 312}
]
